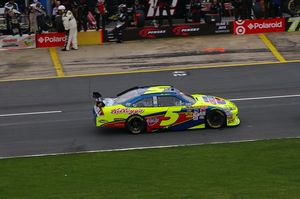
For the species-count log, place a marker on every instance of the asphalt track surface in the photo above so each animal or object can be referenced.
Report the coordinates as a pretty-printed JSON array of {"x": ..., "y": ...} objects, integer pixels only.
[{"x": 70, "y": 127}]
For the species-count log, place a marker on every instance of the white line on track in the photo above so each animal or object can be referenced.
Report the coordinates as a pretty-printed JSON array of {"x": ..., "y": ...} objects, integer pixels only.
[
  {"x": 30, "y": 113},
  {"x": 145, "y": 148},
  {"x": 267, "y": 97}
]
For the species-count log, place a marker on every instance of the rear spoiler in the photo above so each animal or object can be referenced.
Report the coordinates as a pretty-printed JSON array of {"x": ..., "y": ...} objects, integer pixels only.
[{"x": 98, "y": 99}]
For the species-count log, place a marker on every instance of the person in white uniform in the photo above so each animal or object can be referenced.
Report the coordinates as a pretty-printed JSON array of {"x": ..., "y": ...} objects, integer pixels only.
[{"x": 70, "y": 26}]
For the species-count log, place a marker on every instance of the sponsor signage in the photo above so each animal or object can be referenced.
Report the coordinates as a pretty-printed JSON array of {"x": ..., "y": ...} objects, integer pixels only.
[
  {"x": 185, "y": 30},
  {"x": 152, "y": 8},
  {"x": 152, "y": 33},
  {"x": 175, "y": 31},
  {"x": 223, "y": 28},
  {"x": 258, "y": 26},
  {"x": 292, "y": 24},
  {"x": 50, "y": 39},
  {"x": 17, "y": 41}
]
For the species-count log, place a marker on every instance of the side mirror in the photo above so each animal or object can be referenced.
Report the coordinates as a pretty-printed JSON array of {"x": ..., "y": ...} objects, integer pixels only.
[{"x": 96, "y": 95}]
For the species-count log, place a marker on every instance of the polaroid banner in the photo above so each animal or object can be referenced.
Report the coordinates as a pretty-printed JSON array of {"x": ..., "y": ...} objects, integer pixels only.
[
  {"x": 50, "y": 39},
  {"x": 242, "y": 27},
  {"x": 292, "y": 24},
  {"x": 8, "y": 42}
]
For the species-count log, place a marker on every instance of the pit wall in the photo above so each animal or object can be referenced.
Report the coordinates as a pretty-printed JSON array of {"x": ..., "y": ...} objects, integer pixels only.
[{"x": 239, "y": 27}]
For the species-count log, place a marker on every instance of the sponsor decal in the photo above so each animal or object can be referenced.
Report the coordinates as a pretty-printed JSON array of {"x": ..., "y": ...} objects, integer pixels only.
[
  {"x": 151, "y": 33},
  {"x": 50, "y": 39},
  {"x": 196, "y": 115},
  {"x": 152, "y": 121},
  {"x": 199, "y": 113},
  {"x": 259, "y": 26},
  {"x": 209, "y": 99},
  {"x": 126, "y": 111},
  {"x": 220, "y": 101},
  {"x": 229, "y": 114},
  {"x": 97, "y": 110},
  {"x": 205, "y": 98},
  {"x": 185, "y": 30},
  {"x": 10, "y": 40},
  {"x": 154, "y": 8},
  {"x": 213, "y": 100},
  {"x": 102, "y": 121},
  {"x": 293, "y": 24},
  {"x": 17, "y": 42}
]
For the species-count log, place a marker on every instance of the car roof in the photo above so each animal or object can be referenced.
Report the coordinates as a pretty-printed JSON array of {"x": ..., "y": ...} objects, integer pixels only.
[{"x": 156, "y": 89}]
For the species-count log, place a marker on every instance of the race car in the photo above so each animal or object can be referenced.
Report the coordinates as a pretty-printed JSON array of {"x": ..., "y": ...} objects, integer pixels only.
[{"x": 154, "y": 108}]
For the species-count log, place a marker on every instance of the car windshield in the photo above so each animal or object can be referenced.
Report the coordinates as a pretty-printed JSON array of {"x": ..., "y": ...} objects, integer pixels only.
[
  {"x": 188, "y": 98},
  {"x": 126, "y": 96}
]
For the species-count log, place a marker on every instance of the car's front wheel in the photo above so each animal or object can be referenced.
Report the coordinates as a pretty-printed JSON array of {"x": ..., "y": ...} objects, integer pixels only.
[
  {"x": 136, "y": 124},
  {"x": 215, "y": 119}
]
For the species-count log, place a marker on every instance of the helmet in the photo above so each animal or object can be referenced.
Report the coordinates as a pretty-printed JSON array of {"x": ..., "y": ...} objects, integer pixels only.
[
  {"x": 61, "y": 7},
  {"x": 122, "y": 8}
]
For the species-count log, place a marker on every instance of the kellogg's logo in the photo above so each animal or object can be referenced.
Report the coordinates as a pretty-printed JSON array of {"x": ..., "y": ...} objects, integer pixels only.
[
  {"x": 126, "y": 111},
  {"x": 184, "y": 30},
  {"x": 151, "y": 33}
]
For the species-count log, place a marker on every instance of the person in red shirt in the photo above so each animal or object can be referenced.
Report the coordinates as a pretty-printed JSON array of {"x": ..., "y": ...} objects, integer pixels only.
[{"x": 101, "y": 13}]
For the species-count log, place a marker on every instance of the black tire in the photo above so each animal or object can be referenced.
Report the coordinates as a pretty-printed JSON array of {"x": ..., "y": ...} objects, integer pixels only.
[
  {"x": 215, "y": 119},
  {"x": 136, "y": 124}
]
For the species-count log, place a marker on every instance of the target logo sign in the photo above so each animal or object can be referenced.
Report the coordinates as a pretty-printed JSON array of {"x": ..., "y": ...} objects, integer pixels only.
[
  {"x": 242, "y": 27},
  {"x": 239, "y": 28}
]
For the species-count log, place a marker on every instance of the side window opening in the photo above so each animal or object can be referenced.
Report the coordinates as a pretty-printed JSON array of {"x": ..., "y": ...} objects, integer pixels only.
[
  {"x": 146, "y": 102},
  {"x": 169, "y": 101}
]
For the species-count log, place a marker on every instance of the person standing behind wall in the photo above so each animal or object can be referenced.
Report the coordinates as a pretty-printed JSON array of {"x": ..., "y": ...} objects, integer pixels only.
[
  {"x": 35, "y": 13},
  {"x": 7, "y": 6},
  {"x": 92, "y": 12},
  {"x": 101, "y": 13},
  {"x": 82, "y": 13},
  {"x": 70, "y": 26},
  {"x": 164, "y": 5},
  {"x": 277, "y": 8},
  {"x": 57, "y": 18}
]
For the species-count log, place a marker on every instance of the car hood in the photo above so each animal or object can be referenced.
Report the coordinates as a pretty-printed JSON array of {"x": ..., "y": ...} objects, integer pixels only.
[{"x": 208, "y": 100}]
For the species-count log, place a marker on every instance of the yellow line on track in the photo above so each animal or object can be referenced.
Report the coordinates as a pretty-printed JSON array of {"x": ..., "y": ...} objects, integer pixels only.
[
  {"x": 251, "y": 64},
  {"x": 56, "y": 62},
  {"x": 272, "y": 48}
]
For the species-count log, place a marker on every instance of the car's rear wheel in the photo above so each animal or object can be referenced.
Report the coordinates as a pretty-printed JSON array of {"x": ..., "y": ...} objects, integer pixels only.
[
  {"x": 136, "y": 124},
  {"x": 215, "y": 119}
]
